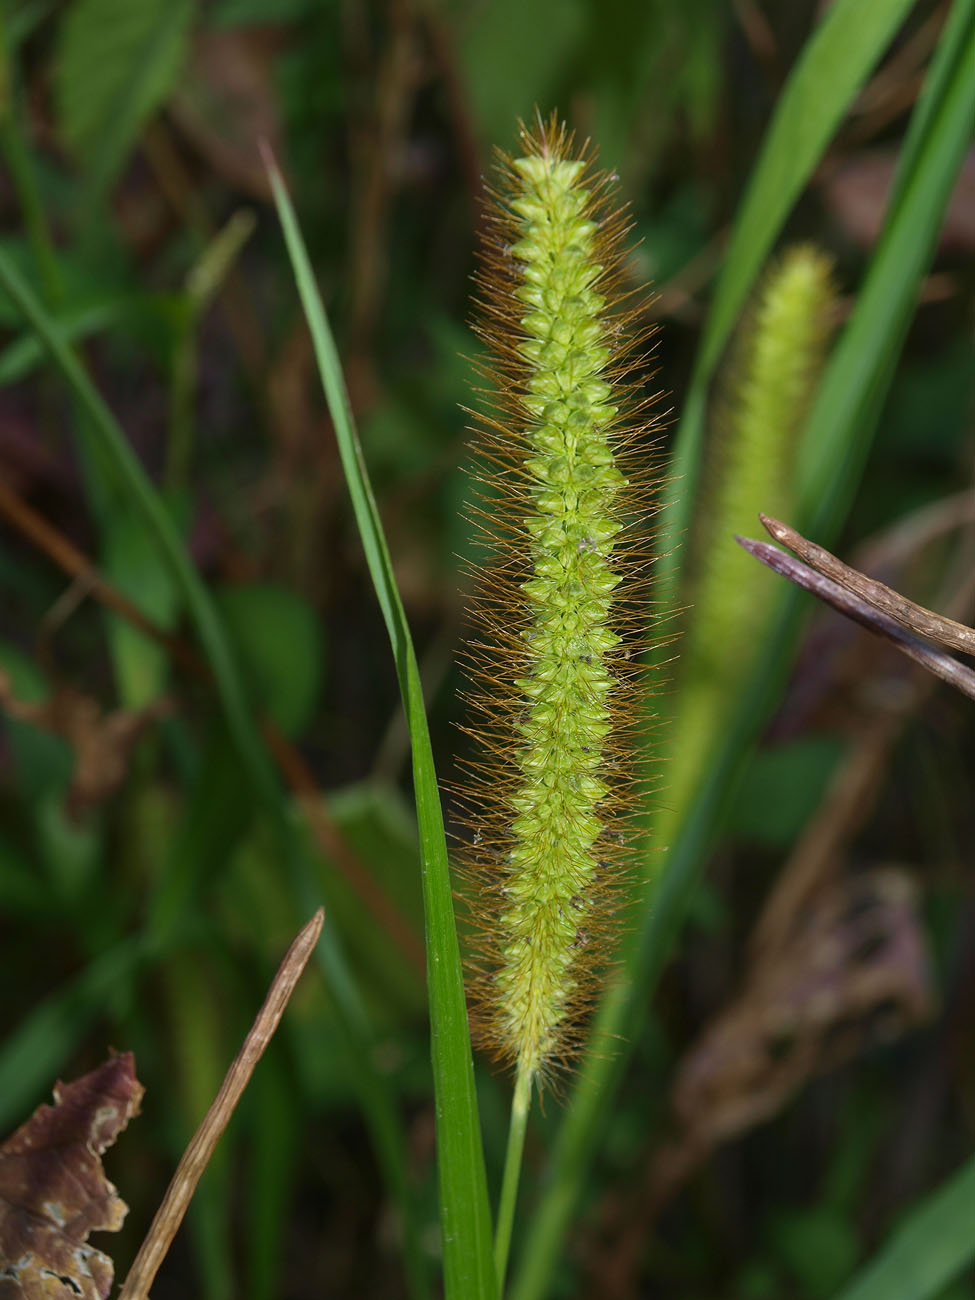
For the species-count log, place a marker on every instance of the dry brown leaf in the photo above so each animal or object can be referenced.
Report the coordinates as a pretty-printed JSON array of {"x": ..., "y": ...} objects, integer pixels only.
[
  {"x": 856, "y": 970},
  {"x": 103, "y": 742},
  {"x": 53, "y": 1189}
]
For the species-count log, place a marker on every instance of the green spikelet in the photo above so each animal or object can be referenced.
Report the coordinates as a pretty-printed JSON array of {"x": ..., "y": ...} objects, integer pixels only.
[
  {"x": 555, "y": 658},
  {"x": 768, "y": 386}
]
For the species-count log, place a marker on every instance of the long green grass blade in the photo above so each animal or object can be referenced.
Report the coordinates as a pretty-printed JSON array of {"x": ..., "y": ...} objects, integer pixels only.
[
  {"x": 132, "y": 482},
  {"x": 932, "y": 1246},
  {"x": 834, "y": 65},
  {"x": 465, "y": 1215},
  {"x": 842, "y": 421},
  {"x": 119, "y": 461},
  {"x": 936, "y": 151},
  {"x": 21, "y": 357},
  {"x": 275, "y": 1140}
]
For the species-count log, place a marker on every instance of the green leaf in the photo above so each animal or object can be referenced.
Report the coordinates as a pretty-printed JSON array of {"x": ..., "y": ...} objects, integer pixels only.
[
  {"x": 380, "y": 829},
  {"x": 534, "y": 44},
  {"x": 465, "y": 1218},
  {"x": 92, "y": 315},
  {"x": 200, "y": 1018},
  {"x": 22, "y": 888},
  {"x": 782, "y": 787},
  {"x": 819, "y": 1246},
  {"x": 42, "y": 761},
  {"x": 129, "y": 480},
  {"x": 212, "y": 819},
  {"x": 280, "y": 643},
  {"x": 934, "y": 1243},
  {"x": 132, "y": 562},
  {"x": 276, "y": 1143},
  {"x": 834, "y": 65},
  {"x": 841, "y": 424},
  {"x": 115, "y": 63},
  {"x": 244, "y": 13}
]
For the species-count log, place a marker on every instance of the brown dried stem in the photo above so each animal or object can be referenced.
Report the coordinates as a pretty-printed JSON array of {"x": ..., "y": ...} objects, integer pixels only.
[
  {"x": 873, "y": 605},
  {"x": 915, "y": 618},
  {"x": 201, "y": 1146}
]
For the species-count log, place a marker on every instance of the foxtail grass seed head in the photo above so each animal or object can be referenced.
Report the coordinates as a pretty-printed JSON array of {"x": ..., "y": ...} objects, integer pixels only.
[
  {"x": 767, "y": 388},
  {"x": 566, "y": 490},
  {"x": 764, "y": 398}
]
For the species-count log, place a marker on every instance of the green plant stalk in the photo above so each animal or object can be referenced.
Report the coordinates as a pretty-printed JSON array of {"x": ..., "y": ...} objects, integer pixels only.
[
  {"x": 469, "y": 1272},
  {"x": 129, "y": 479},
  {"x": 520, "y": 1105},
  {"x": 833, "y": 67},
  {"x": 203, "y": 283},
  {"x": 938, "y": 136}
]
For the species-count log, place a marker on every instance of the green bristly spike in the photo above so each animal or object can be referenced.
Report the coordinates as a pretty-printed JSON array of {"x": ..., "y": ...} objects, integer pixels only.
[
  {"x": 767, "y": 392},
  {"x": 572, "y": 530},
  {"x": 561, "y": 624},
  {"x": 768, "y": 386}
]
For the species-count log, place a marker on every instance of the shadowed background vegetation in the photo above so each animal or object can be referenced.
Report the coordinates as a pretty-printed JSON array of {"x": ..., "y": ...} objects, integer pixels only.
[{"x": 803, "y": 1079}]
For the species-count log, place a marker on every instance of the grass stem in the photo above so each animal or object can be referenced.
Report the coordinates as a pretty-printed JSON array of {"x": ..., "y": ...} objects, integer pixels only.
[{"x": 520, "y": 1105}]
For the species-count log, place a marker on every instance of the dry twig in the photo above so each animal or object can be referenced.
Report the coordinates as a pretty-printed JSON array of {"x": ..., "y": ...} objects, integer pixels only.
[
  {"x": 197, "y": 1154},
  {"x": 872, "y": 604}
]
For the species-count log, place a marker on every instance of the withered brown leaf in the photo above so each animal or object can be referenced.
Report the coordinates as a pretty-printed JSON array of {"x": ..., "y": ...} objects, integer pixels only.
[
  {"x": 102, "y": 741},
  {"x": 53, "y": 1189}
]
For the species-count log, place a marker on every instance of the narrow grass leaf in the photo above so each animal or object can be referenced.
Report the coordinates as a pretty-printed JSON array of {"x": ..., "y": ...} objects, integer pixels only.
[
  {"x": 834, "y": 65},
  {"x": 930, "y": 1248},
  {"x": 849, "y": 402},
  {"x": 22, "y": 356},
  {"x": 130, "y": 480},
  {"x": 275, "y": 1125},
  {"x": 465, "y": 1215}
]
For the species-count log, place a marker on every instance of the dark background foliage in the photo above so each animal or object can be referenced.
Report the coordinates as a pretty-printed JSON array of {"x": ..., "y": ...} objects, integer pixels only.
[{"x": 134, "y": 201}]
